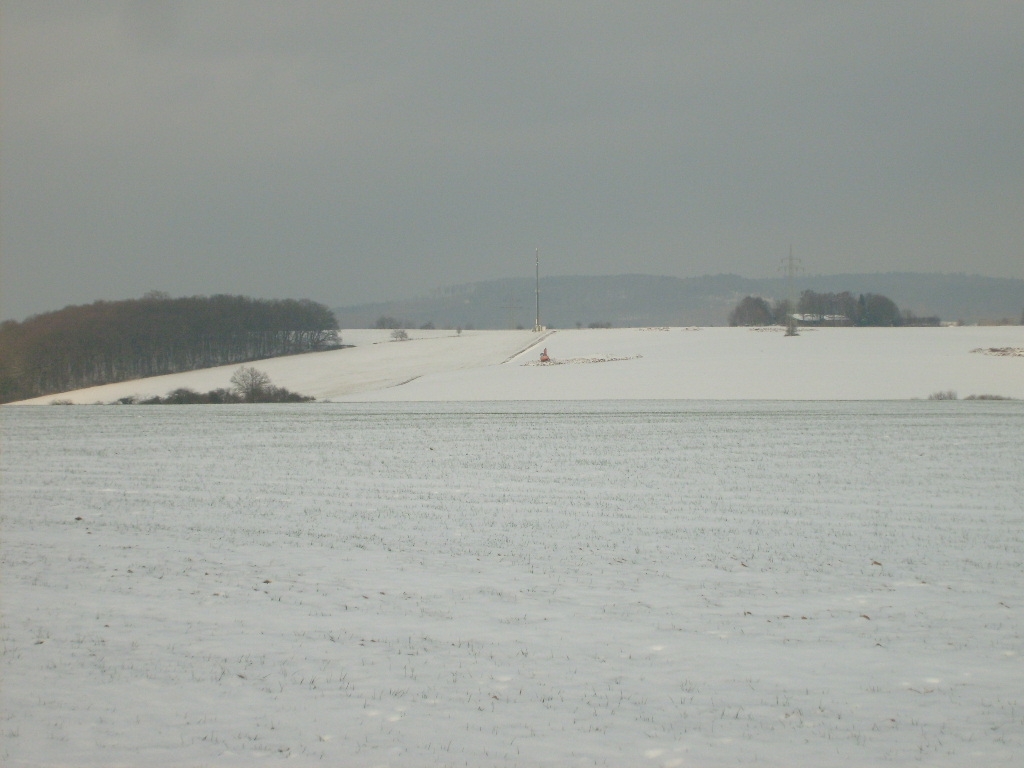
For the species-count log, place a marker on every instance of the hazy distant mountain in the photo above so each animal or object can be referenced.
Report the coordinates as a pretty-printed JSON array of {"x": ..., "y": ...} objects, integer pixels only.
[{"x": 642, "y": 300}]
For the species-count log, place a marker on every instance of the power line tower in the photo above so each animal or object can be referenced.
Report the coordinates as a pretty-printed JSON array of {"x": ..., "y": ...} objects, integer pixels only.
[
  {"x": 511, "y": 307},
  {"x": 537, "y": 327},
  {"x": 791, "y": 266}
]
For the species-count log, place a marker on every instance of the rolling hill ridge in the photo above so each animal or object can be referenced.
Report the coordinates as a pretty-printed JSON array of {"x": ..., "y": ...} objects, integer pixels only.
[{"x": 642, "y": 300}]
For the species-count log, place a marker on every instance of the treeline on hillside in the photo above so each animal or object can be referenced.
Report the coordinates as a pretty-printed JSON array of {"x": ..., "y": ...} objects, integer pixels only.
[
  {"x": 110, "y": 341},
  {"x": 867, "y": 309}
]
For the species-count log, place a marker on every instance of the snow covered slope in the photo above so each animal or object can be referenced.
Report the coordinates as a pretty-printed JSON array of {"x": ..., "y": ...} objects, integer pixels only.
[
  {"x": 375, "y": 362},
  {"x": 641, "y": 364},
  {"x": 742, "y": 364}
]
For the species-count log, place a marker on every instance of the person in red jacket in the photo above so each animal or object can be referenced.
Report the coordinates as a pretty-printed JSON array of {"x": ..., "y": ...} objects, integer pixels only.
[{"x": 544, "y": 356}]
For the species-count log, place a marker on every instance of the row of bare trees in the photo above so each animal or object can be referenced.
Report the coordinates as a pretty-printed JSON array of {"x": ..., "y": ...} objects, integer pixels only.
[
  {"x": 867, "y": 309},
  {"x": 103, "y": 342}
]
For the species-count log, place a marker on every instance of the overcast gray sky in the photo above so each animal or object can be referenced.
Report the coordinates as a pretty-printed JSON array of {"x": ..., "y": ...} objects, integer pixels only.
[{"x": 358, "y": 151}]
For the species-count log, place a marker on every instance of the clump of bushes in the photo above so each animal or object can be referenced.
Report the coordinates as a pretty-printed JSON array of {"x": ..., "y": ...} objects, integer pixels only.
[
  {"x": 186, "y": 396},
  {"x": 250, "y": 385}
]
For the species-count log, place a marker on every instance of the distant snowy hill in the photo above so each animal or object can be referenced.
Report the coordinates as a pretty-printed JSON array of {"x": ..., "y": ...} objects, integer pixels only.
[
  {"x": 639, "y": 300},
  {"x": 655, "y": 363}
]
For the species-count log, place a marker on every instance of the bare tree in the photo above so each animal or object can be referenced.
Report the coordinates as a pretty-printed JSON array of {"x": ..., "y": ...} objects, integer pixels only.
[
  {"x": 752, "y": 310},
  {"x": 250, "y": 383}
]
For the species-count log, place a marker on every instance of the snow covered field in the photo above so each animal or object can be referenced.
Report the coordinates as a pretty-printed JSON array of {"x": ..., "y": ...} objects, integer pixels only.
[
  {"x": 641, "y": 364},
  {"x": 517, "y": 584}
]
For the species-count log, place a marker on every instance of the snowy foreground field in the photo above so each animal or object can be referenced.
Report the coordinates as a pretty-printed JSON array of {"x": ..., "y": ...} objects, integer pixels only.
[{"x": 500, "y": 584}]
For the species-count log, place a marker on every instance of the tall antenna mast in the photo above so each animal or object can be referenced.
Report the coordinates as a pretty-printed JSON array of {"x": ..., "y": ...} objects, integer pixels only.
[
  {"x": 536, "y": 326},
  {"x": 512, "y": 306}
]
